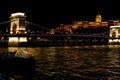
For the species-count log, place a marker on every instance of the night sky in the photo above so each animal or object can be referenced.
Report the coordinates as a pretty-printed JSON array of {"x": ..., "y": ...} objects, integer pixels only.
[{"x": 51, "y": 13}]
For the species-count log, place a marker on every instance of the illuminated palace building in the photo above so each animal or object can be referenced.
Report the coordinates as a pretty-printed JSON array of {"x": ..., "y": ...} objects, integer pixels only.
[{"x": 78, "y": 26}]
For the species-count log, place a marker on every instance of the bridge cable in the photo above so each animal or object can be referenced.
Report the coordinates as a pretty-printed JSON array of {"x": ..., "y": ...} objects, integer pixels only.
[
  {"x": 37, "y": 25},
  {"x": 5, "y": 22}
]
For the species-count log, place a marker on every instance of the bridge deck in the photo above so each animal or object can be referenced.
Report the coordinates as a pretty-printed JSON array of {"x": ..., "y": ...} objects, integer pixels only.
[{"x": 67, "y": 35}]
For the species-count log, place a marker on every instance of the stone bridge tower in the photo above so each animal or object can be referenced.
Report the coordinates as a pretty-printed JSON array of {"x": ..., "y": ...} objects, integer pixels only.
[
  {"x": 114, "y": 33},
  {"x": 17, "y": 26}
]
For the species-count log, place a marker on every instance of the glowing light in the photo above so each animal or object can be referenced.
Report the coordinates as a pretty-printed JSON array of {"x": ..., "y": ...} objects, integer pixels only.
[
  {"x": 114, "y": 26},
  {"x": 25, "y": 32},
  {"x": 11, "y": 32},
  {"x": 13, "y": 39},
  {"x": 16, "y": 39},
  {"x": 114, "y": 40},
  {"x": 22, "y": 39},
  {"x": 21, "y": 28},
  {"x": 110, "y": 40},
  {"x": 18, "y": 14}
]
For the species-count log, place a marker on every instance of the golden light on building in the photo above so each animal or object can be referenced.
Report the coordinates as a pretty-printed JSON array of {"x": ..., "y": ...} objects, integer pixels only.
[
  {"x": 98, "y": 18},
  {"x": 85, "y": 24},
  {"x": 88, "y": 24}
]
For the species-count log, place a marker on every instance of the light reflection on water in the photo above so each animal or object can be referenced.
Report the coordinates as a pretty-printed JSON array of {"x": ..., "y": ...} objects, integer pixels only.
[{"x": 79, "y": 62}]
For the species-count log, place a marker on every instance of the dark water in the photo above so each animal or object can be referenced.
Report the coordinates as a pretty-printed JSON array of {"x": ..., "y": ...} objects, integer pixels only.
[{"x": 73, "y": 63}]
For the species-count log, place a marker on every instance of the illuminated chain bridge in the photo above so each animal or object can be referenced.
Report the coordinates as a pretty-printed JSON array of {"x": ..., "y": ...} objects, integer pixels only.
[{"x": 19, "y": 32}]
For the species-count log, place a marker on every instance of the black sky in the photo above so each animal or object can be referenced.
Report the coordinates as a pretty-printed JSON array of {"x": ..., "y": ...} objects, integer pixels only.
[{"x": 51, "y": 13}]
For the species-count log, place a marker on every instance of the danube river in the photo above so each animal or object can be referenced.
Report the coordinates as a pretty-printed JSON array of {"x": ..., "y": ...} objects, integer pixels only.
[{"x": 101, "y": 62}]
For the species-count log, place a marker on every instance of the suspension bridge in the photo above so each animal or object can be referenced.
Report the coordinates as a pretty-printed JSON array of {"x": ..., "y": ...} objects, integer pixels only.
[{"x": 35, "y": 35}]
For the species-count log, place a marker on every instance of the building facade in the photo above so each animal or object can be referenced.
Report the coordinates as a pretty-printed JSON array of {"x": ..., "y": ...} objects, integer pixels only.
[{"x": 98, "y": 23}]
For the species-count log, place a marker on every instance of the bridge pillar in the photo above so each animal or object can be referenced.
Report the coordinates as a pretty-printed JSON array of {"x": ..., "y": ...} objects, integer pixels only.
[{"x": 18, "y": 26}]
